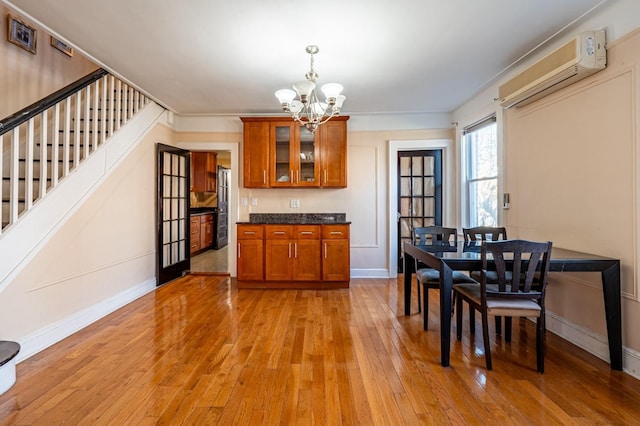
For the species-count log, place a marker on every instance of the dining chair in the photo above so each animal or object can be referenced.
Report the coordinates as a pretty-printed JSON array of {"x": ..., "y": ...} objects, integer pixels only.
[
  {"x": 508, "y": 297},
  {"x": 430, "y": 277},
  {"x": 482, "y": 234}
]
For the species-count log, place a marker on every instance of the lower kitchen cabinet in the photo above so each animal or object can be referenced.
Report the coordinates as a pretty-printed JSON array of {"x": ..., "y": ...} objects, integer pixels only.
[
  {"x": 195, "y": 234},
  {"x": 201, "y": 227},
  {"x": 292, "y": 252},
  {"x": 294, "y": 256},
  {"x": 335, "y": 253},
  {"x": 250, "y": 253}
]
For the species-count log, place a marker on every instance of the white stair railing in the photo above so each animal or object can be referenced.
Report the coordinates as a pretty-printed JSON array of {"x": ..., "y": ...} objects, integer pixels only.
[{"x": 46, "y": 141}]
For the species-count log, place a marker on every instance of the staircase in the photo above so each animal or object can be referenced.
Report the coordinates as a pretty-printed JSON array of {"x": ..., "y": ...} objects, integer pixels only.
[{"x": 45, "y": 142}]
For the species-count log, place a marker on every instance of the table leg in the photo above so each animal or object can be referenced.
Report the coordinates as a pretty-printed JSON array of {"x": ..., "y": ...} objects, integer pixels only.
[
  {"x": 408, "y": 266},
  {"x": 613, "y": 313},
  {"x": 446, "y": 286}
]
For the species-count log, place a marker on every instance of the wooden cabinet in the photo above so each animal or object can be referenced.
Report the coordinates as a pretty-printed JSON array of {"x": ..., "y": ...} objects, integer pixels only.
[
  {"x": 250, "y": 254},
  {"x": 201, "y": 231},
  {"x": 335, "y": 253},
  {"x": 282, "y": 153},
  {"x": 204, "y": 171},
  {"x": 206, "y": 231},
  {"x": 292, "y": 252},
  {"x": 195, "y": 234},
  {"x": 256, "y": 153},
  {"x": 295, "y": 256},
  {"x": 294, "y": 156},
  {"x": 333, "y": 154}
]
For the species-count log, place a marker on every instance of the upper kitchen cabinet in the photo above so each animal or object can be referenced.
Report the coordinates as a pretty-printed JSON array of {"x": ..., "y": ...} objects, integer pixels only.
[
  {"x": 204, "y": 171},
  {"x": 294, "y": 153},
  {"x": 281, "y": 153},
  {"x": 256, "y": 153}
]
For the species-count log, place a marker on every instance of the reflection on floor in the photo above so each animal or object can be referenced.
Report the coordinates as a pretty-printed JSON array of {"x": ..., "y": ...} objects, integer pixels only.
[{"x": 211, "y": 261}]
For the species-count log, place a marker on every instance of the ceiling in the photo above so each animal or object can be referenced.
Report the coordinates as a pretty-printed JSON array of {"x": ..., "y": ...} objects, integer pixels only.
[{"x": 229, "y": 57}]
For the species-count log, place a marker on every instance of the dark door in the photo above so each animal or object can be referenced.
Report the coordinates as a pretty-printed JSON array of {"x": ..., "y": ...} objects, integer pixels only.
[
  {"x": 222, "y": 218},
  {"x": 173, "y": 237},
  {"x": 419, "y": 193}
]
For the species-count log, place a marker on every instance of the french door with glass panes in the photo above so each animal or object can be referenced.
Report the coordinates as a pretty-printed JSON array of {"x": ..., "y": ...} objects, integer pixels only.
[
  {"x": 419, "y": 194},
  {"x": 173, "y": 256}
]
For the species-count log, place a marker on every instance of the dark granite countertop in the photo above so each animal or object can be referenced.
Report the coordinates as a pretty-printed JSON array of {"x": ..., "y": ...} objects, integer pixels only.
[
  {"x": 297, "y": 218},
  {"x": 195, "y": 211}
]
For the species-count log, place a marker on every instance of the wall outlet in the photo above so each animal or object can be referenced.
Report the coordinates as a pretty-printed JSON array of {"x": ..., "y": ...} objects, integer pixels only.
[
  {"x": 244, "y": 201},
  {"x": 294, "y": 204},
  {"x": 254, "y": 201}
]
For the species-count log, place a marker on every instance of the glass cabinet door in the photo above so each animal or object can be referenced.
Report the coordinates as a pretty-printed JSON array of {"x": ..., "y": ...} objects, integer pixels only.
[
  {"x": 294, "y": 156},
  {"x": 283, "y": 169},
  {"x": 308, "y": 171}
]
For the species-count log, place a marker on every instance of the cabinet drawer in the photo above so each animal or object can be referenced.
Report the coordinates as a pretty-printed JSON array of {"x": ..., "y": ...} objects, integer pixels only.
[
  {"x": 307, "y": 232},
  {"x": 206, "y": 218},
  {"x": 250, "y": 232},
  {"x": 335, "y": 232},
  {"x": 279, "y": 232}
]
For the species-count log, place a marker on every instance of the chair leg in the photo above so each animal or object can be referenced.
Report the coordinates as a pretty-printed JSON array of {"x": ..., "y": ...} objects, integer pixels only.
[
  {"x": 507, "y": 329},
  {"x": 485, "y": 335},
  {"x": 540, "y": 344},
  {"x": 425, "y": 302},
  {"x": 419, "y": 284},
  {"x": 498, "y": 321},
  {"x": 472, "y": 319},
  {"x": 458, "y": 317}
]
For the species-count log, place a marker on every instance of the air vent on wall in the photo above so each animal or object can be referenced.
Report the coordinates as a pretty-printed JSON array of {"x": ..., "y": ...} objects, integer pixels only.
[{"x": 580, "y": 57}]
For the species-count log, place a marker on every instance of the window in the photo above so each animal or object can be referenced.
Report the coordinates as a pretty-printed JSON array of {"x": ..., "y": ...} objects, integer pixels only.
[{"x": 481, "y": 159}]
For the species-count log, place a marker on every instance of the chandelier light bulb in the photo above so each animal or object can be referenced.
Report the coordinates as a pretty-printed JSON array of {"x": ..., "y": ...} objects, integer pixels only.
[
  {"x": 285, "y": 96},
  {"x": 308, "y": 110},
  {"x": 304, "y": 89},
  {"x": 331, "y": 90}
]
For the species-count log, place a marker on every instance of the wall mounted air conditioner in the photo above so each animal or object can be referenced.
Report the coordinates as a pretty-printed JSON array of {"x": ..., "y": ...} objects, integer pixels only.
[{"x": 580, "y": 57}]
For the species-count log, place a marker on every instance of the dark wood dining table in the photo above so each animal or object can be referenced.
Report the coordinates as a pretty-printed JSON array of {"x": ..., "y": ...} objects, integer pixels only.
[{"x": 464, "y": 256}]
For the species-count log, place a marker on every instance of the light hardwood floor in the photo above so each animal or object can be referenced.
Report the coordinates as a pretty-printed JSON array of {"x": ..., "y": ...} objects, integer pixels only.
[{"x": 199, "y": 352}]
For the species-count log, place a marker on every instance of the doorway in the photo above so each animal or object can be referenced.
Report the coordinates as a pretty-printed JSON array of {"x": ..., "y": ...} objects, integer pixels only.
[
  {"x": 172, "y": 213},
  {"x": 233, "y": 149},
  {"x": 214, "y": 259},
  {"x": 419, "y": 194},
  {"x": 448, "y": 188}
]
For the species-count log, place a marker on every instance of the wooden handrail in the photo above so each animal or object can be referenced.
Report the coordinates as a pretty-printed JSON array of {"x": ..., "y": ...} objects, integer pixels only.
[{"x": 38, "y": 107}]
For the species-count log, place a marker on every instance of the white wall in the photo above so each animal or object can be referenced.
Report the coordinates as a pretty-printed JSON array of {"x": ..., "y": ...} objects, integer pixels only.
[
  {"x": 365, "y": 200},
  {"x": 570, "y": 163},
  {"x": 98, "y": 258}
]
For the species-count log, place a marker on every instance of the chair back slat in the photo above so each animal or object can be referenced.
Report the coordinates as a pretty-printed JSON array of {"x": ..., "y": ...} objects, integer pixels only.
[
  {"x": 484, "y": 233},
  {"x": 517, "y": 263},
  {"x": 430, "y": 234}
]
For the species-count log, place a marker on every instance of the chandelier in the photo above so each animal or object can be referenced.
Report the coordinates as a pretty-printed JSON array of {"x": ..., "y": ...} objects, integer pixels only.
[{"x": 308, "y": 109}]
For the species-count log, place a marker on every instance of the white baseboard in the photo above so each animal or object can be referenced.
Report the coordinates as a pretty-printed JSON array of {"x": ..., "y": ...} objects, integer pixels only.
[
  {"x": 369, "y": 273},
  {"x": 595, "y": 344},
  {"x": 55, "y": 332}
]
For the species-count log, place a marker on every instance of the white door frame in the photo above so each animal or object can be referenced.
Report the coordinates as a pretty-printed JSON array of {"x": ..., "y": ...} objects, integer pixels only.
[
  {"x": 234, "y": 148},
  {"x": 448, "y": 188}
]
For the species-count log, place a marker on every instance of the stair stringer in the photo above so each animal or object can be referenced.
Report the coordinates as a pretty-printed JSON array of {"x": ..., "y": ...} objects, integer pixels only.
[{"x": 24, "y": 239}]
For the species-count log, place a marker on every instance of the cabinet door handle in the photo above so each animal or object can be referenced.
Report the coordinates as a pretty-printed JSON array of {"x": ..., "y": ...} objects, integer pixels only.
[
  {"x": 291, "y": 175},
  {"x": 295, "y": 250},
  {"x": 325, "y": 250},
  {"x": 289, "y": 250},
  {"x": 297, "y": 177},
  {"x": 238, "y": 249},
  {"x": 325, "y": 175},
  {"x": 264, "y": 177}
]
